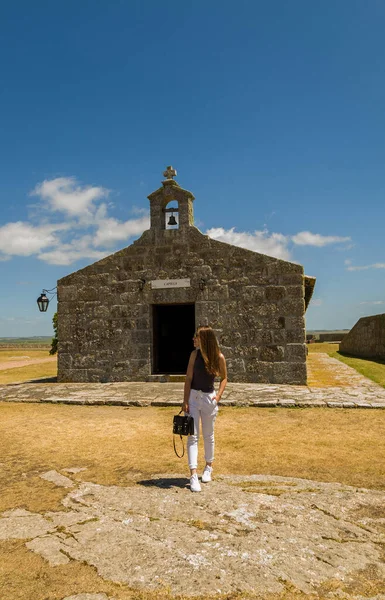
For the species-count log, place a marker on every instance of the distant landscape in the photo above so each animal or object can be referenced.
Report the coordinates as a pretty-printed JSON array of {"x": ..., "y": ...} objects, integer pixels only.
[{"x": 36, "y": 341}]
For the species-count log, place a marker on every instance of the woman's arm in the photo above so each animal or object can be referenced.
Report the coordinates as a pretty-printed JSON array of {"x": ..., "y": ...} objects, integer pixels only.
[
  {"x": 223, "y": 376},
  {"x": 188, "y": 380}
]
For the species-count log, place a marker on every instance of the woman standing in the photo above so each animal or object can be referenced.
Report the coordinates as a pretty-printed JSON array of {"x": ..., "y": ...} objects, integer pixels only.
[{"x": 201, "y": 401}]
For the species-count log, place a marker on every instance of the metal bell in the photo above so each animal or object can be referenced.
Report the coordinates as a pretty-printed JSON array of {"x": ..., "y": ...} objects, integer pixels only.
[{"x": 172, "y": 221}]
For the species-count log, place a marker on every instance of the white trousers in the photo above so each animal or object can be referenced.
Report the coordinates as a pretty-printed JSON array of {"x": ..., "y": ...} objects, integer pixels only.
[{"x": 204, "y": 409}]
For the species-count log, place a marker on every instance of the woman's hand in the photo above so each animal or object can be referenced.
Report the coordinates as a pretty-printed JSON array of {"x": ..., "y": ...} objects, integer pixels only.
[{"x": 185, "y": 407}]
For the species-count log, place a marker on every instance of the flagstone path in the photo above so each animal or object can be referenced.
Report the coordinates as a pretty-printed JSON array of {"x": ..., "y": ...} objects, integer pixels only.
[{"x": 349, "y": 389}]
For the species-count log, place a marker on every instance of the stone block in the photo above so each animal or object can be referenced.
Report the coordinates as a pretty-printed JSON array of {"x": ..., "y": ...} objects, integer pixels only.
[
  {"x": 65, "y": 361},
  {"x": 279, "y": 337},
  {"x": 141, "y": 336},
  {"x": 219, "y": 293},
  {"x": 140, "y": 351},
  {"x": 292, "y": 307},
  {"x": 272, "y": 353},
  {"x": 210, "y": 310},
  {"x": 275, "y": 293},
  {"x": 88, "y": 293},
  {"x": 119, "y": 310},
  {"x": 67, "y": 293},
  {"x": 102, "y": 312},
  {"x": 295, "y": 322},
  {"x": 235, "y": 365},
  {"x": 143, "y": 323},
  {"x": 295, "y": 336},
  {"x": 295, "y": 291},
  {"x": 291, "y": 373},
  {"x": 65, "y": 308},
  {"x": 280, "y": 268},
  {"x": 259, "y": 337},
  {"x": 295, "y": 352},
  {"x": 254, "y": 294},
  {"x": 73, "y": 375},
  {"x": 290, "y": 279},
  {"x": 231, "y": 339},
  {"x": 258, "y": 371}
]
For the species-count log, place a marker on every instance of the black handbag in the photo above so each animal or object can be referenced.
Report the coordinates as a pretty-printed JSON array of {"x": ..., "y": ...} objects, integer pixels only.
[{"x": 182, "y": 425}]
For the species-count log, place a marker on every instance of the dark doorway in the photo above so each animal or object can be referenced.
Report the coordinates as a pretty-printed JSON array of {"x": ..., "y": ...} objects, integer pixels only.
[{"x": 173, "y": 327}]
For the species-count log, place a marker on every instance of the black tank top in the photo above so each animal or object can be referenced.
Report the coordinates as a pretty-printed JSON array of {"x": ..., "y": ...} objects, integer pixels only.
[{"x": 202, "y": 380}]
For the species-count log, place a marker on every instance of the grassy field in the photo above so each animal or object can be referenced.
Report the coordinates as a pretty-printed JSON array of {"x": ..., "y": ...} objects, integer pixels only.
[
  {"x": 119, "y": 446},
  {"x": 29, "y": 372},
  {"x": 373, "y": 369},
  {"x": 39, "y": 341}
]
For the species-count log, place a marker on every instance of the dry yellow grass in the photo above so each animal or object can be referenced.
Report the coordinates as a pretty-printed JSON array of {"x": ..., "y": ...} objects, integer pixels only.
[
  {"x": 28, "y": 373},
  {"x": 12, "y": 356},
  {"x": 18, "y": 354},
  {"x": 325, "y": 347},
  {"x": 119, "y": 446}
]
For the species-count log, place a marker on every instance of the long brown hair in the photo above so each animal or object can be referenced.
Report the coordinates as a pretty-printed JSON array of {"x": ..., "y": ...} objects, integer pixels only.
[{"x": 209, "y": 349}]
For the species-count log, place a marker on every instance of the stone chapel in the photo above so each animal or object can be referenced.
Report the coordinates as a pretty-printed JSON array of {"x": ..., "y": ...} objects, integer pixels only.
[{"x": 131, "y": 316}]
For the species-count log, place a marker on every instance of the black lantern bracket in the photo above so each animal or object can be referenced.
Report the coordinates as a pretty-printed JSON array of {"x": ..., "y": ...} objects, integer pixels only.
[{"x": 44, "y": 298}]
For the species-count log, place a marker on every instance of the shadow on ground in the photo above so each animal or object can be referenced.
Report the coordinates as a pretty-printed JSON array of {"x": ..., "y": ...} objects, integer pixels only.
[{"x": 165, "y": 482}]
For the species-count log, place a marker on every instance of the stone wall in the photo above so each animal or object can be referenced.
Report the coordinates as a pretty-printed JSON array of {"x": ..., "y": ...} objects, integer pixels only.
[
  {"x": 254, "y": 302},
  {"x": 367, "y": 338}
]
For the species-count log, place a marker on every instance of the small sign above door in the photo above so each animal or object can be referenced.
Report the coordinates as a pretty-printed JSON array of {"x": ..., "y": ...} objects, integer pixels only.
[{"x": 170, "y": 283}]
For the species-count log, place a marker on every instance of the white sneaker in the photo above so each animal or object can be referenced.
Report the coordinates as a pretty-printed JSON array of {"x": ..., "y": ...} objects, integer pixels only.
[
  {"x": 195, "y": 486},
  {"x": 206, "y": 476}
]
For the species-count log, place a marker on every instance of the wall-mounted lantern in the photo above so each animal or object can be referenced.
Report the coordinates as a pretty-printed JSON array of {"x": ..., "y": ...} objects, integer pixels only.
[
  {"x": 202, "y": 284},
  {"x": 142, "y": 283},
  {"x": 43, "y": 300}
]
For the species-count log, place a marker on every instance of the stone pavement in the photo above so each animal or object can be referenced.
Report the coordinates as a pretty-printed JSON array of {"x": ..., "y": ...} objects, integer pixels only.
[
  {"x": 360, "y": 393},
  {"x": 253, "y": 534}
]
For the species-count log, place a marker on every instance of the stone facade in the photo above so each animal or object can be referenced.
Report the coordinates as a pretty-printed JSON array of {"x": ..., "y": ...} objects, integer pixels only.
[
  {"x": 110, "y": 313},
  {"x": 367, "y": 338}
]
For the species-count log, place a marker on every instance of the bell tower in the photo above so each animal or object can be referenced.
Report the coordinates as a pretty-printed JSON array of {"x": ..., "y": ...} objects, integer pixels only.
[{"x": 171, "y": 192}]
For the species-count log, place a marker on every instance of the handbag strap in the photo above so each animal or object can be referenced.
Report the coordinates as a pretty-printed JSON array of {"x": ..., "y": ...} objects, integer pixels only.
[
  {"x": 175, "y": 450},
  {"x": 181, "y": 438}
]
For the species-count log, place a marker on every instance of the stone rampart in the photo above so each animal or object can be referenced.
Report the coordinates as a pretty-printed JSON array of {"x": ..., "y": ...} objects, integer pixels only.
[{"x": 367, "y": 338}]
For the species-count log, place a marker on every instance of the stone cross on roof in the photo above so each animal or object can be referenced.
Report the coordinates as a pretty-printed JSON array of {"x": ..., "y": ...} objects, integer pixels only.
[{"x": 169, "y": 173}]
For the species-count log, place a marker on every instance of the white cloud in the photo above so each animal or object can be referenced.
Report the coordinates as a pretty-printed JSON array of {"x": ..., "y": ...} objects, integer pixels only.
[
  {"x": 83, "y": 233},
  {"x": 24, "y": 239},
  {"x": 306, "y": 238},
  {"x": 366, "y": 267},
  {"x": 66, "y": 255},
  {"x": 111, "y": 230},
  {"x": 77, "y": 249},
  {"x": 65, "y": 195},
  {"x": 373, "y": 302},
  {"x": 273, "y": 244}
]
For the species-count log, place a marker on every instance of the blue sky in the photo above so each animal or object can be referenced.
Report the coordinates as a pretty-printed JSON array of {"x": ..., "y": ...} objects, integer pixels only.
[{"x": 272, "y": 113}]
